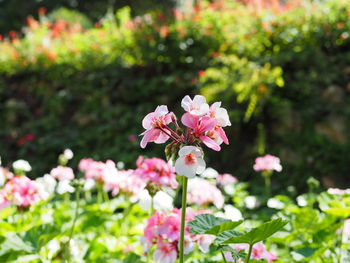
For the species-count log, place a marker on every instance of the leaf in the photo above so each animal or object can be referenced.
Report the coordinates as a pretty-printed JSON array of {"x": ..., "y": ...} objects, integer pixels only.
[
  {"x": 255, "y": 235},
  {"x": 234, "y": 253},
  {"x": 132, "y": 258},
  {"x": 306, "y": 251},
  {"x": 14, "y": 243},
  {"x": 209, "y": 224}
]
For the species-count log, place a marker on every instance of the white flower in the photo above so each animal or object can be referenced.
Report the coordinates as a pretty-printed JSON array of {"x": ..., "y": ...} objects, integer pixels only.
[
  {"x": 161, "y": 201},
  {"x": 64, "y": 187},
  {"x": 301, "y": 201},
  {"x": 204, "y": 242},
  {"x": 220, "y": 114},
  {"x": 89, "y": 184},
  {"x": 48, "y": 182},
  {"x": 53, "y": 247},
  {"x": 251, "y": 202},
  {"x": 198, "y": 106},
  {"x": 210, "y": 173},
  {"x": 190, "y": 162},
  {"x": 68, "y": 154},
  {"x": 232, "y": 213},
  {"x": 2, "y": 176},
  {"x": 275, "y": 203},
  {"x": 22, "y": 165}
]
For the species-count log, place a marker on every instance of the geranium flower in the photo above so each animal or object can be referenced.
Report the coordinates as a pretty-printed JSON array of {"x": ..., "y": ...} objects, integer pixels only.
[
  {"x": 267, "y": 163},
  {"x": 198, "y": 106},
  {"x": 165, "y": 253},
  {"x": 201, "y": 192},
  {"x": 62, "y": 173},
  {"x": 220, "y": 114},
  {"x": 22, "y": 165},
  {"x": 190, "y": 162},
  {"x": 154, "y": 123}
]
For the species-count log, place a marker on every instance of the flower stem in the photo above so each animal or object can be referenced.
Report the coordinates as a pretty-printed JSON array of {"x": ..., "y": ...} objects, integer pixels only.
[
  {"x": 152, "y": 205},
  {"x": 183, "y": 218},
  {"x": 249, "y": 253},
  {"x": 267, "y": 177},
  {"x": 77, "y": 197},
  {"x": 223, "y": 256}
]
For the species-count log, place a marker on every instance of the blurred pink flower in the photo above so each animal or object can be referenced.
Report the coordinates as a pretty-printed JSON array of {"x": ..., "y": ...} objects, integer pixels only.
[
  {"x": 165, "y": 252},
  {"x": 4, "y": 203},
  {"x": 201, "y": 192},
  {"x": 24, "y": 192},
  {"x": 62, "y": 173},
  {"x": 337, "y": 191},
  {"x": 157, "y": 171},
  {"x": 226, "y": 179},
  {"x": 267, "y": 163},
  {"x": 258, "y": 252}
]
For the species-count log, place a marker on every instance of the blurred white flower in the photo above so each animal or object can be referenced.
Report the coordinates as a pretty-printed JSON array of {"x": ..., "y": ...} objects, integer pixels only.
[
  {"x": 275, "y": 203},
  {"x": 251, "y": 202},
  {"x": 2, "y": 176},
  {"x": 22, "y": 165},
  {"x": 229, "y": 189},
  {"x": 47, "y": 217},
  {"x": 48, "y": 182},
  {"x": 89, "y": 184},
  {"x": 210, "y": 173},
  {"x": 68, "y": 154},
  {"x": 301, "y": 201},
  {"x": 64, "y": 187},
  {"x": 232, "y": 213},
  {"x": 161, "y": 201},
  {"x": 120, "y": 165},
  {"x": 53, "y": 246}
]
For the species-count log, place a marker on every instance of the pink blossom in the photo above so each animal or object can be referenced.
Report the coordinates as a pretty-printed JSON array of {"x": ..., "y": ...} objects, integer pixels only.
[
  {"x": 24, "y": 192},
  {"x": 98, "y": 171},
  {"x": 4, "y": 203},
  {"x": 258, "y": 252},
  {"x": 267, "y": 163},
  {"x": 337, "y": 191},
  {"x": 220, "y": 114},
  {"x": 201, "y": 192},
  {"x": 154, "y": 124},
  {"x": 226, "y": 179},
  {"x": 346, "y": 228},
  {"x": 157, "y": 171},
  {"x": 200, "y": 127},
  {"x": 165, "y": 252},
  {"x": 204, "y": 241},
  {"x": 62, "y": 173}
]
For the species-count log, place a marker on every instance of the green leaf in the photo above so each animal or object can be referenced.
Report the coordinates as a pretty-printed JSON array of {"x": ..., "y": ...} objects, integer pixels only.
[
  {"x": 209, "y": 224},
  {"x": 14, "y": 243},
  {"x": 255, "y": 235},
  {"x": 132, "y": 258},
  {"x": 234, "y": 253}
]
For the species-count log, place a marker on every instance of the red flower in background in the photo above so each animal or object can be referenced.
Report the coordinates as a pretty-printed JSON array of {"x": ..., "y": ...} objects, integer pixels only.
[{"x": 26, "y": 138}]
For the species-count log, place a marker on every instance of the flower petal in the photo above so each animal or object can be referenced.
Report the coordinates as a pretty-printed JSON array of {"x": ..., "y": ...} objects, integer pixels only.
[
  {"x": 185, "y": 170},
  {"x": 207, "y": 124},
  {"x": 210, "y": 143},
  {"x": 190, "y": 121},
  {"x": 223, "y": 135}
]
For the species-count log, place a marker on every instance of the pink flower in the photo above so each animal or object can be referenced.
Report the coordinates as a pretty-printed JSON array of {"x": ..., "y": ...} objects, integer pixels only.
[
  {"x": 258, "y": 252},
  {"x": 157, "y": 171},
  {"x": 346, "y": 228},
  {"x": 204, "y": 242},
  {"x": 201, "y": 192},
  {"x": 226, "y": 179},
  {"x": 267, "y": 163},
  {"x": 337, "y": 191},
  {"x": 62, "y": 173},
  {"x": 165, "y": 253},
  {"x": 201, "y": 126},
  {"x": 198, "y": 106},
  {"x": 99, "y": 171},
  {"x": 190, "y": 162},
  {"x": 170, "y": 228},
  {"x": 4, "y": 203},
  {"x": 154, "y": 123},
  {"x": 24, "y": 192}
]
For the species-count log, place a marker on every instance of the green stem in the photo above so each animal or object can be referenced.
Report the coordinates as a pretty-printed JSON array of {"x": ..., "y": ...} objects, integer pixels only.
[
  {"x": 77, "y": 197},
  {"x": 267, "y": 177},
  {"x": 249, "y": 253},
  {"x": 340, "y": 245},
  {"x": 152, "y": 205},
  {"x": 99, "y": 193},
  {"x": 183, "y": 218},
  {"x": 223, "y": 256}
]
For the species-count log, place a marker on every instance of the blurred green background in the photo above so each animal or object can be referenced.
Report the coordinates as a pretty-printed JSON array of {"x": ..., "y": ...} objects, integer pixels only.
[{"x": 83, "y": 74}]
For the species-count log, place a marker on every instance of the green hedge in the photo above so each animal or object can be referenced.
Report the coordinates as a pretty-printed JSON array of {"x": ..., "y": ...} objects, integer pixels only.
[{"x": 284, "y": 75}]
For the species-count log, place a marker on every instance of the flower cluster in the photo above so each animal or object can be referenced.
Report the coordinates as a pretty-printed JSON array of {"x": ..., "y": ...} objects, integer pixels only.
[
  {"x": 163, "y": 230},
  {"x": 157, "y": 171},
  {"x": 267, "y": 163},
  {"x": 22, "y": 192},
  {"x": 203, "y": 124},
  {"x": 258, "y": 252},
  {"x": 100, "y": 172},
  {"x": 201, "y": 192},
  {"x": 226, "y": 179}
]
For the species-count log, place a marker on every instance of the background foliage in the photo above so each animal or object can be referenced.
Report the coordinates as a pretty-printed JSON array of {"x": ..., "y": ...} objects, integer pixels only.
[{"x": 283, "y": 72}]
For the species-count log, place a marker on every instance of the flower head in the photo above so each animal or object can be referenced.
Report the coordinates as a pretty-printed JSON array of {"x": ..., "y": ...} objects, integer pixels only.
[
  {"x": 198, "y": 106},
  {"x": 22, "y": 165},
  {"x": 62, "y": 173},
  {"x": 267, "y": 163},
  {"x": 190, "y": 161},
  {"x": 154, "y": 123},
  {"x": 201, "y": 192},
  {"x": 220, "y": 114}
]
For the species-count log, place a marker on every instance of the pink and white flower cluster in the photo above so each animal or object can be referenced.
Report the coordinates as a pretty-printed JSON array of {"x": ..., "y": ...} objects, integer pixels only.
[
  {"x": 267, "y": 163},
  {"x": 203, "y": 124},
  {"x": 226, "y": 179},
  {"x": 22, "y": 192},
  {"x": 98, "y": 171},
  {"x": 337, "y": 191},
  {"x": 157, "y": 171},
  {"x": 163, "y": 230},
  {"x": 62, "y": 173},
  {"x": 201, "y": 192},
  {"x": 258, "y": 252}
]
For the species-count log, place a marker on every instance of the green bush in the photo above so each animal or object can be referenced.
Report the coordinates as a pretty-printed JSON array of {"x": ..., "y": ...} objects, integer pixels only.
[{"x": 284, "y": 75}]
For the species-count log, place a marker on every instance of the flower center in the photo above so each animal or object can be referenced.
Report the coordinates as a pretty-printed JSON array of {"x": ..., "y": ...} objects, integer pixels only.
[{"x": 190, "y": 159}]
